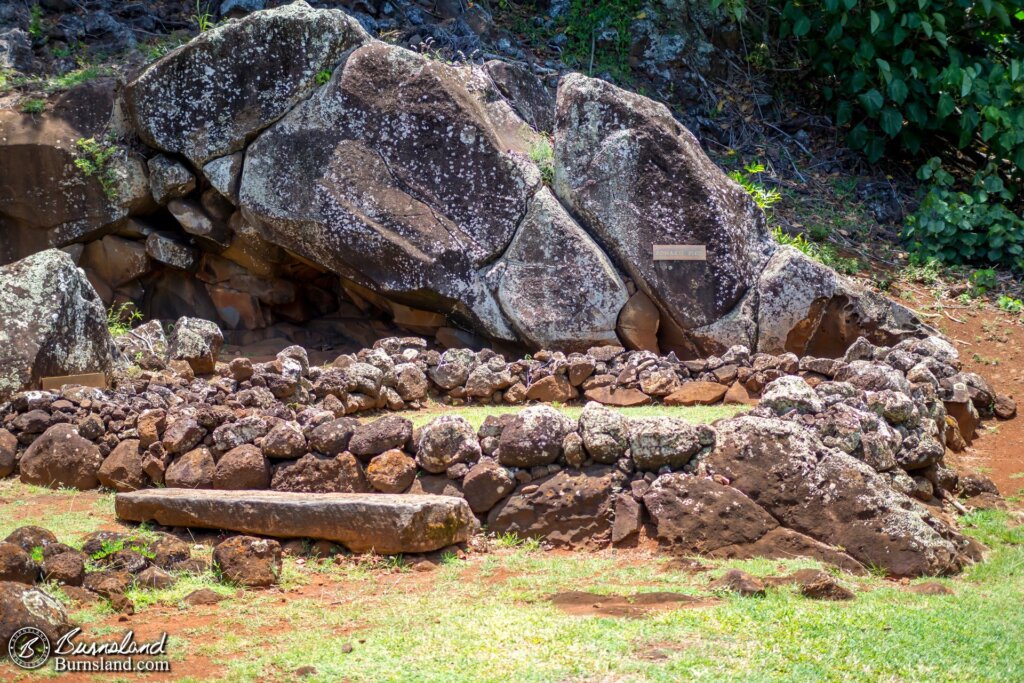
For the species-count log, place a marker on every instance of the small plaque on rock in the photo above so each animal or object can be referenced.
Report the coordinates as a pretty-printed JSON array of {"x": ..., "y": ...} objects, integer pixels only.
[{"x": 680, "y": 252}]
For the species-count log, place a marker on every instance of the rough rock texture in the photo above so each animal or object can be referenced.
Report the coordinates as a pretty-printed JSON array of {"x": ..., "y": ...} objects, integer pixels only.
[
  {"x": 639, "y": 178},
  {"x": 51, "y": 323},
  {"x": 122, "y": 469},
  {"x": 556, "y": 286},
  {"x": 249, "y": 561},
  {"x": 61, "y": 457},
  {"x": 568, "y": 509},
  {"x": 380, "y": 522},
  {"x": 376, "y": 176},
  {"x": 807, "y": 308},
  {"x": 832, "y": 497},
  {"x": 446, "y": 441},
  {"x": 203, "y": 101},
  {"x": 533, "y": 437},
  {"x": 22, "y": 606}
]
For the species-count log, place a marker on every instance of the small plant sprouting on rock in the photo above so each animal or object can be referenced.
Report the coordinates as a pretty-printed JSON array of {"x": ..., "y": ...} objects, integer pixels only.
[
  {"x": 35, "y": 24},
  {"x": 94, "y": 161},
  {"x": 33, "y": 106},
  {"x": 203, "y": 17},
  {"x": 765, "y": 198},
  {"x": 323, "y": 76},
  {"x": 542, "y": 154},
  {"x": 823, "y": 253},
  {"x": 37, "y": 554},
  {"x": 120, "y": 319}
]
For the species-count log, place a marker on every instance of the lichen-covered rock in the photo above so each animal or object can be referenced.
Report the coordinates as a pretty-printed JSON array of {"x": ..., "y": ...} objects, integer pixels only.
[
  {"x": 657, "y": 442},
  {"x": 198, "y": 342},
  {"x": 639, "y": 178},
  {"x": 203, "y": 101},
  {"x": 832, "y": 497},
  {"x": 808, "y": 309},
  {"x": 52, "y": 323},
  {"x": 791, "y": 393},
  {"x": 376, "y": 177},
  {"x": 555, "y": 285},
  {"x": 446, "y": 441},
  {"x": 605, "y": 433},
  {"x": 485, "y": 485},
  {"x": 22, "y": 606},
  {"x": 533, "y": 437},
  {"x": 383, "y": 434}
]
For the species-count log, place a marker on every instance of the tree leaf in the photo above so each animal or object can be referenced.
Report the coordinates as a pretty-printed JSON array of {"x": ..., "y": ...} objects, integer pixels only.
[
  {"x": 891, "y": 121},
  {"x": 897, "y": 90}
]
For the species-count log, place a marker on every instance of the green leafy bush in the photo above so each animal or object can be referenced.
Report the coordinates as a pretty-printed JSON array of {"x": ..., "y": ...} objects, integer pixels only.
[
  {"x": 94, "y": 160},
  {"x": 937, "y": 77}
]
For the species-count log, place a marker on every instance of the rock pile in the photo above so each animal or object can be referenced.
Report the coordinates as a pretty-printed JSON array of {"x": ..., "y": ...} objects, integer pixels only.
[{"x": 859, "y": 435}]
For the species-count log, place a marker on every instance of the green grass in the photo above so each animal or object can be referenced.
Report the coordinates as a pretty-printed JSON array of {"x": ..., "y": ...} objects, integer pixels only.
[
  {"x": 476, "y": 414},
  {"x": 489, "y": 619}
]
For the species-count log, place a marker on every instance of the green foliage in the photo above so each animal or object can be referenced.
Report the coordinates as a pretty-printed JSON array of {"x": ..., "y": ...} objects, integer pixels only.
[
  {"x": 323, "y": 77},
  {"x": 589, "y": 22},
  {"x": 762, "y": 196},
  {"x": 35, "y": 23},
  {"x": 37, "y": 554},
  {"x": 76, "y": 77},
  {"x": 33, "y": 106},
  {"x": 543, "y": 155},
  {"x": 1009, "y": 304},
  {"x": 94, "y": 160},
  {"x": 823, "y": 253},
  {"x": 914, "y": 76},
  {"x": 203, "y": 17},
  {"x": 923, "y": 269},
  {"x": 121, "y": 319},
  {"x": 973, "y": 224}
]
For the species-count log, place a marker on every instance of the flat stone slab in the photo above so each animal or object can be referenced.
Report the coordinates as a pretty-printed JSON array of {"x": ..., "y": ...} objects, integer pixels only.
[{"x": 384, "y": 523}]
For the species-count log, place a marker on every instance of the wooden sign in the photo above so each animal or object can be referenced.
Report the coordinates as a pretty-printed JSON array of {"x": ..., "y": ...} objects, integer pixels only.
[
  {"x": 680, "y": 252},
  {"x": 92, "y": 379}
]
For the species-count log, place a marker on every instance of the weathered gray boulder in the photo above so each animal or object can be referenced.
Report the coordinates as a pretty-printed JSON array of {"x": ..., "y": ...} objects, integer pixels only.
[
  {"x": 379, "y": 522},
  {"x": 555, "y": 285},
  {"x": 533, "y": 437},
  {"x": 605, "y": 433},
  {"x": 809, "y": 309},
  {"x": 22, "y": 606},
  {"x": 657, "y": 442},
  {"x": 446, "y": 441},
  {"x": 639, "y": 178},
  {"x": 197, "y": 342},
  {"x": 51, "y": 323},
  {"x": 209, "y": 97},
  {"x": 832, "y": 497}
]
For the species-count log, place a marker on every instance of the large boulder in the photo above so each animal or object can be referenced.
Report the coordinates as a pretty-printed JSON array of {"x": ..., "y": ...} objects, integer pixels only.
[
  {"x": 61, "y": 457},
  {"x": 209, "y": 97},
  {"x": 832, "y": 497},
  {"x": 52, "y": 323},
  {"x": 22, "y": 605},
  {"x": 377, "y": 176},
  {"x": 807, "y": 308},
  {"x": 534, "y": 437},
  {"x": 638, "y": 178},
  {"x": 567, "y": 509}
]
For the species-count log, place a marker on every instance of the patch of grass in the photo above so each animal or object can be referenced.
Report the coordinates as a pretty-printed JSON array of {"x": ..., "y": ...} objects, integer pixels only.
[
  {"x": 476, "y": 414},
  {"x": 33, "y": 105},
  {"x": 542, "y": 154},
  {"x": 121, "y": 319},
  {"x": 68, "y": 513},
  {"x": 76, "y": 77}
]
